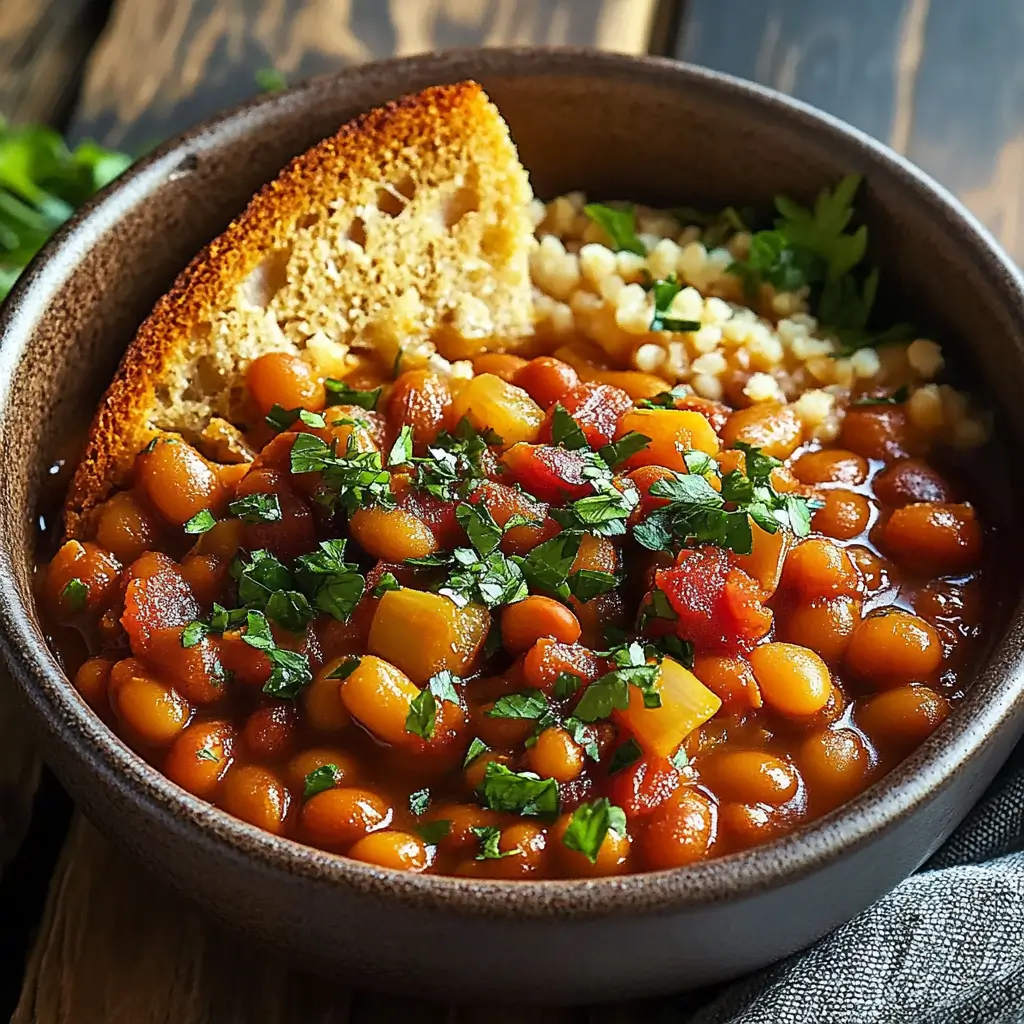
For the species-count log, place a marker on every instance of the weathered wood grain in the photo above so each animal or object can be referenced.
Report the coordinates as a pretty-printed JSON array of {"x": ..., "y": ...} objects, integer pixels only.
[
  {"x": 163, "y": 65},
  {"x": 941, "y": 82},
  {"x": 116, "y": 947},
  {"x": 43, "y": 44}
]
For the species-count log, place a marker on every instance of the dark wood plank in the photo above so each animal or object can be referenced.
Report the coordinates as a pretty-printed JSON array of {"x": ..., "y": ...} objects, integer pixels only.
[
  {"x": 941, "y": 82},
  {"x": 43, "y": 45},
  {"x": 163, "y": 65},
  {"x": 841, "y": 55}
]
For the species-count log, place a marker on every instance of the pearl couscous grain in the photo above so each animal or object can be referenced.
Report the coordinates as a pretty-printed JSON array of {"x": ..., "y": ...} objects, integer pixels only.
[{"x": 591, "y": 303}]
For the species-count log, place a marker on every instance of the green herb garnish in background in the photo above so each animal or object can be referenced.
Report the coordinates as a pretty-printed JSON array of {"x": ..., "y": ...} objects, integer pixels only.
[
  {"x": 42, "y": 183},
  {"x": 619, "y": 224}
]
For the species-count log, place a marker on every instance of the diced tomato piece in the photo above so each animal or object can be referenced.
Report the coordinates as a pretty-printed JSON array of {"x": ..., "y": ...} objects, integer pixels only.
[
  {"x": 717, "y": 604},
  {"x": 504, "y": 502},
  {"x": 156, "y": 596},
  {"x": 547, "y": 659},
  {"x": 437, "y": 513},
  {"x": 595, "y": 407},
  {"x": 549, "y": 473},
  {"x": 644, "y": 786}
]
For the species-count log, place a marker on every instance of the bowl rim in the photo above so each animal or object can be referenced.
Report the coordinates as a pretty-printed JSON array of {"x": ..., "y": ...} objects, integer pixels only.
[{"x": 994, "y": 697}]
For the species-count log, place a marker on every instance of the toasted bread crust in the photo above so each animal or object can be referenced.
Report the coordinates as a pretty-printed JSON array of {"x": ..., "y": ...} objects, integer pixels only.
[{"x": 455, "y": 119}]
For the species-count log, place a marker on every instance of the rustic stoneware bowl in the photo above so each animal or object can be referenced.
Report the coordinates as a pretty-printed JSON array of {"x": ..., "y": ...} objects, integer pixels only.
[{"x": 618, "y": 127}]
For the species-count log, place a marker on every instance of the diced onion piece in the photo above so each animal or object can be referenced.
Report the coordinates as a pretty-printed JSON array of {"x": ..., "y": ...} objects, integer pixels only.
[
  {"x": 686, "y": 704},
  {"x": 672, "y": 431},
  {"x": 488, "y": 402},
  {"x": 765, "y": 561},
  {"x": 424, "y": 634}
]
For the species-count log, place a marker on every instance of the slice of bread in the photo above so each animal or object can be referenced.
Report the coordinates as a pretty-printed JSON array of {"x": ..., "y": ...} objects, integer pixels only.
[{"x": 406, "y": 231}]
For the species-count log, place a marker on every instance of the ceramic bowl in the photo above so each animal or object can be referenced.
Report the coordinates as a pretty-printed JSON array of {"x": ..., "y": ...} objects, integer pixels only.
[{"x": 617, "y": 126}]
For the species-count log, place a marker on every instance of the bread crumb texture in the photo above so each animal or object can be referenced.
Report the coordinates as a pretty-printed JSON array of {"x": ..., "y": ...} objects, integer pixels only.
[{"x": 407, "y": 230}]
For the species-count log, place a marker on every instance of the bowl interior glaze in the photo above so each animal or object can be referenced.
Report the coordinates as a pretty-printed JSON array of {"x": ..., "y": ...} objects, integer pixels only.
[{"x": 616, "y": 126}]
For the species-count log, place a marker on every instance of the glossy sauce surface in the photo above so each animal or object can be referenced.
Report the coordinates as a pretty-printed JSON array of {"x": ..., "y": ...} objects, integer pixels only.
[{"x": 789, "y": 677}]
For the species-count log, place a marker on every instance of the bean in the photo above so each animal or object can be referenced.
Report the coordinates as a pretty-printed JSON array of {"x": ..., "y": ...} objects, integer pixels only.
[
  {"x": 256, "y": 795},
  {"x": 749, "y": 776},
  {"x": 284, "y": 379},
  {"x": 680, "y": 831},
  {"x": 793, "y": 680},
  {"x": 526, "y": 621},
  {"x": 337, "y": 818},
  {"x": 894, "y": 647},
  {"x": 391, "y": 849}
]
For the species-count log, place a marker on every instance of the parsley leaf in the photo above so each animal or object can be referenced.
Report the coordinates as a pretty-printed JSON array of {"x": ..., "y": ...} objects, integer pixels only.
[
  {"x": 625, "y": 447},
  {"x": 491, "y": 580},
  {"x": 476, "y": 748},
  {"x": 454, "y": 462},
  {"x": 518, "y": 792},
  {"x": 586, "y": 584},
  {"x": 281, "y": 418},
  {"x": 664, "y": 292},
  {"x": 206, "y": 754},
  {"x": 489, "y": 836},
  {"x": 680, "y": 759},
  {"x": 611, "y": 691},
  {"x": 401, "y": 450},
  {"x": 432, "y": 832},
  {"x": 666, "y": 400},
  {"x": 193, "y": 633},
  {"x": 565, "y": 431},
  {"x": 900, "y": 395},
  {"x": 319, "y": 779},
  {"x": 619, "y": 224},
  {"x": 354, "y": 480},
  {"x": 257, "y": 508},
  {"x": 333, "y": 585},
  {"x": 481, "y": 529},
  {"x": 589, "y": 825},
  {"x": 201, "y": 522},
  {"x": 421, "y": 719},
  {"x": 386, "y": 582},
  {"x": 528, "y": 705},
  {"x": 624, "y": 755},
  {"x": 289, "y": 671},
  {"x": 75, "y": 594},
  {"x": 340, "y": 393},
  {"x": 548, "y": 565},
  {"x": 344, "y": 669},
  {"x": 419, "y": 801}
]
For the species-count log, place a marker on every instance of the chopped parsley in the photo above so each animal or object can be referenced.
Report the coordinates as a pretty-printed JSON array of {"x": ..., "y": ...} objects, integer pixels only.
[
  {"x": 206, "y": 754},
  {"x": 201, "y": 522},
  {"x": 194, "y": 633},
  {"x": 518, "y": 792},
  {"x": 476, "y": 748},
  {"x": 490, "y": 836},
  {"x": 319, "y": 779},
  {"x": 589, "y": 825},
  {"x": 611, "y": 691},
  {"x": 432, "y": 832},
  {"x": 419, "y": 801},
  {"x": 281, "y": 419},
  {"x": 75, "y": 594},
  {"x": 289, "y": 671},
  {"x": 529, "y": 705},
  {"x": 386, "y": 582},
  {"x": 624, "y": 448},
  {"x": 355, "y": 479},
  {"x": 453, "y": 464},
  {"x": 664, "y": 292},
  {"x": 257, "y": 508},
  {"x": 665, "y": 400},
  {"x": 565, "y": 431},
  {"x": 345, "y": 668},
  {"x": 619, "y": 224},
  {"x": 333, "y": 585},
  {"x": 680, "y": 759},
  {"x": 340, "y": 393},
  {"x": 421, "y": 719},
  {"x": 817, "y": 249},
  {"x": 624, "y": 755},
  {"x": 698, "y": 512}
]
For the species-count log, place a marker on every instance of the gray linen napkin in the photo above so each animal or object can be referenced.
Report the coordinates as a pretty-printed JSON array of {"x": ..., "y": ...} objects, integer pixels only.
[{"x": 945, "y": 947}]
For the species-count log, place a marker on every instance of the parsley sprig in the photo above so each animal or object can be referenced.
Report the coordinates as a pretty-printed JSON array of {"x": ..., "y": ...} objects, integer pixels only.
[
  {"x": 354, "y": 479},
  {"x": 700, "y": 513}
]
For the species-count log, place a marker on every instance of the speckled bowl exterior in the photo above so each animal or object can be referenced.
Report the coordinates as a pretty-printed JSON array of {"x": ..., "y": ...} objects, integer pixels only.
[{"x": 616, "y": 126}]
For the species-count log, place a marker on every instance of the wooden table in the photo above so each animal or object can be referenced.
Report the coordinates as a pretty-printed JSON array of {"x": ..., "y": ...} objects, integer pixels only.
[{"x": 939, "y": 81}]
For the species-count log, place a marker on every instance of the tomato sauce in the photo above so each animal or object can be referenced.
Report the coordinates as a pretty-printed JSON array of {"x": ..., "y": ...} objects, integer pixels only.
[{"x": 523, "y": 626}]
